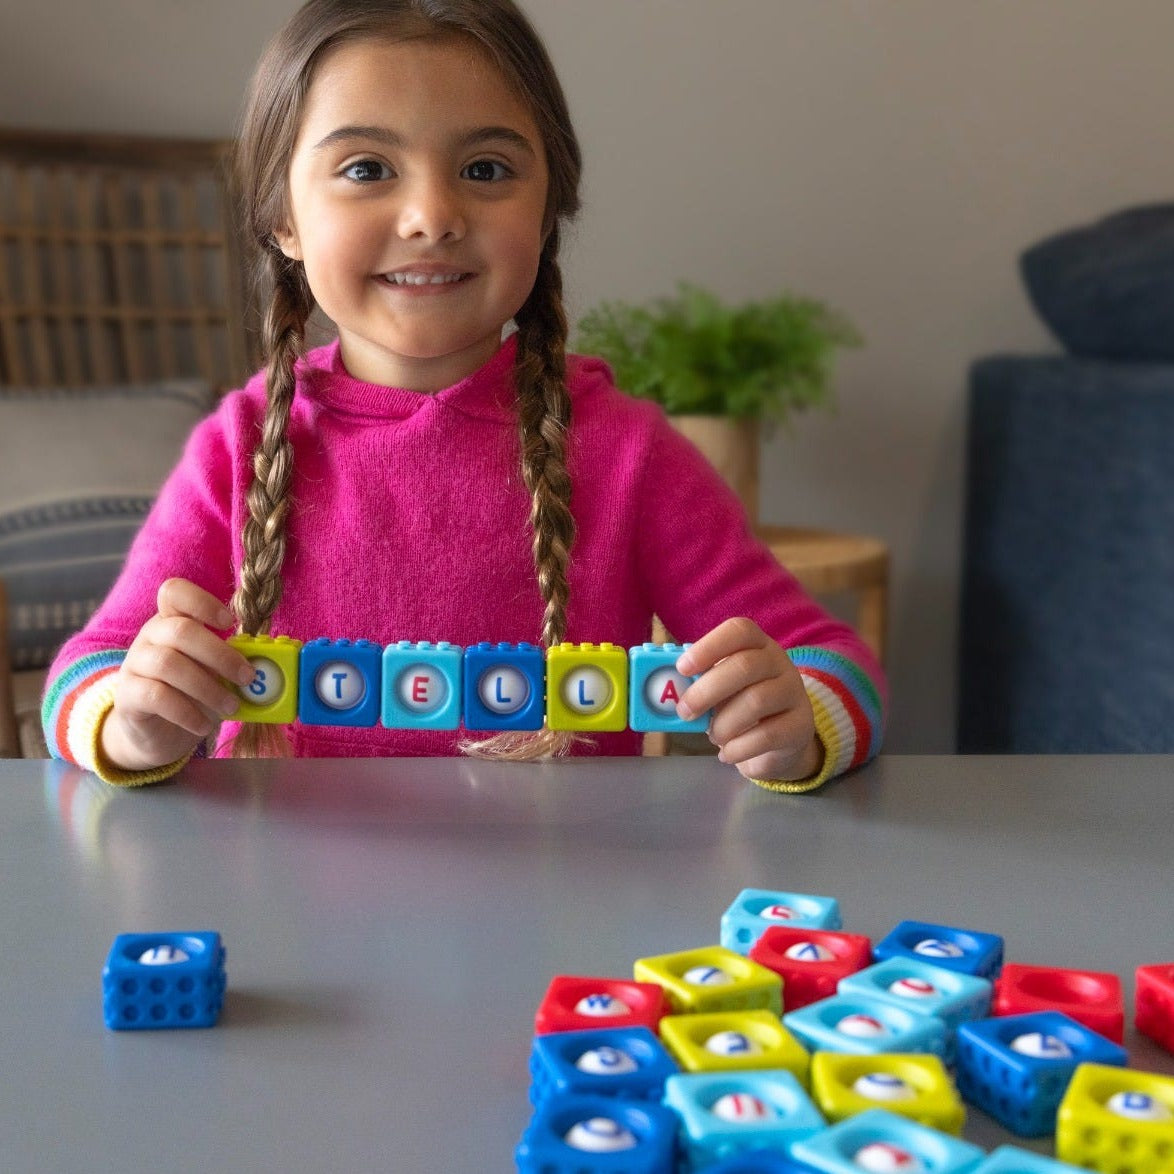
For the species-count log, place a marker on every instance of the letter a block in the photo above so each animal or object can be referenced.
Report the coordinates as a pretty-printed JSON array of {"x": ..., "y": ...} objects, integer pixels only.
[
  {"x": 272, "y": 695},
  {"x": 422, "y": 686},
  {"x": 655, "y": 687},
  {"x": 587, "y": 687}
]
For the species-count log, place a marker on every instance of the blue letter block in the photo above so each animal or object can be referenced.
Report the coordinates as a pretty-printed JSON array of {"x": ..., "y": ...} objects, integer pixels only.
[
  {"x": 913, "y": 985},
  {"x": 878, "y": 1136},
  {"x": 1017, "y": 1067},
  {"x": 338, "y": 683},
  {"x": 728, "y": 1113},
  {"x": 625, "y": 1062},
  {"x": 754, "y": 911},
  {"x": 865, "y": 1027},
  {"x": 163, "y": 980},
  {"x": 655, "y": 686},
  {"x": 579, "y": 1134},
  {"x": 964, "y": 950},
  {"x": 422, "y": 686},
  {"x": 504, "y": 687}
]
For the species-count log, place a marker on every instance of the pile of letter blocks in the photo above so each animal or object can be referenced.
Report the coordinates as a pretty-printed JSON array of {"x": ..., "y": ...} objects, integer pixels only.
[{"x": 795, "y": 1047}]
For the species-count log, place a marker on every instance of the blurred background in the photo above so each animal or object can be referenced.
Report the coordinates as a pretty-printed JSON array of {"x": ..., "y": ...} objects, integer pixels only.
[{"x": 890, "y": 157}]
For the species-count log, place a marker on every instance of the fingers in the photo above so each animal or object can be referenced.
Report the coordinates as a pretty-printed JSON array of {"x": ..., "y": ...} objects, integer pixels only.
[
  {"x": 181, "y": 597},
  {"x": 735, "y": 655}
]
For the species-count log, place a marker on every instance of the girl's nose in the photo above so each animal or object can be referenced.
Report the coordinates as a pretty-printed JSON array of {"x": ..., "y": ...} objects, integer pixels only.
[{"x": 431, "y": 211}]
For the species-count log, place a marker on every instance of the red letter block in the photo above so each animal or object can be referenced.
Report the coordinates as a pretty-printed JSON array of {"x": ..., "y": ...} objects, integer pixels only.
[
  {"x": 810, "y": 961},
  {"x": 1090, "y": 997},
  {"x": 572, "y": 1003},
  {"x": 1154, "y": 1003}
]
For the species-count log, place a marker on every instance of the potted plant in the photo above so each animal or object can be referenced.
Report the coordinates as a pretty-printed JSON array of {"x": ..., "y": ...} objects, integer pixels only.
[{"x": 721, "y": 371}]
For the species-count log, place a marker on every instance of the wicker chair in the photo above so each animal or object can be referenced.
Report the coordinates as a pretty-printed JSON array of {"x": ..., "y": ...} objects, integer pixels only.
[{"x": 119, "y": 264}]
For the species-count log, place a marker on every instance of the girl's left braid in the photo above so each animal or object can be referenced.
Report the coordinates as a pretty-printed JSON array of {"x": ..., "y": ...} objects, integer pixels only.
[{"x": 544, "y": 414}]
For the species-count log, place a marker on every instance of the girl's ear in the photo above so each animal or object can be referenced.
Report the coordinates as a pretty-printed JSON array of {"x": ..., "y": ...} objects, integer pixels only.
[{"x": 287, "y": 241}]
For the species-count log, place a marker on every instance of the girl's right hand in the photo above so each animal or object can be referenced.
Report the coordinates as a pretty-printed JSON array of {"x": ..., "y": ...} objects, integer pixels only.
[{"x": 170, "y": 692}]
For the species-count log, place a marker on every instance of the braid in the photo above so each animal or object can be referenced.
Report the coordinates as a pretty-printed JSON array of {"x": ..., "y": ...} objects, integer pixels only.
[
  {"x": 544, "y": 415},
  {"x": 259, "y": 589}
]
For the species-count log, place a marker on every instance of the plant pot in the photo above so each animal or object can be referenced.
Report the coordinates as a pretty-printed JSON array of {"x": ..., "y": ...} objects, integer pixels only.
[{"x": 731, "y": 447}]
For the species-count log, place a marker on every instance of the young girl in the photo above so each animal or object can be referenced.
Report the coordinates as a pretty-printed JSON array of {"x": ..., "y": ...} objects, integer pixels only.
[{"x": 408, "y": 165}]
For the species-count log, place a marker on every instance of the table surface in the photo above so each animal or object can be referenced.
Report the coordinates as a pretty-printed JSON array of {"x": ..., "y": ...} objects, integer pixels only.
[{"x": 391, "y": 926}]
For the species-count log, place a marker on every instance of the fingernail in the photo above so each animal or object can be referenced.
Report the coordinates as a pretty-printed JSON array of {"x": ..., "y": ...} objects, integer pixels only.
[
  {"x": 229, "y": 705},
  {"x": 685, "y": 665},
  {"x": 225, "y": 619},
  {"x": 684, "y": 712},
  {"x": 244, "y": 677}
]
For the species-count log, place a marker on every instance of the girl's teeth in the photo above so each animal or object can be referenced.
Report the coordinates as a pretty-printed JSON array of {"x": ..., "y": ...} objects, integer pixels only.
[{"x": 423, "y": 278}]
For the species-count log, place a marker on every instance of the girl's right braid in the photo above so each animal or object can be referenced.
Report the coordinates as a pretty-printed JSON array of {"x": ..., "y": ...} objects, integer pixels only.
[{"x": 263, "y": 539}]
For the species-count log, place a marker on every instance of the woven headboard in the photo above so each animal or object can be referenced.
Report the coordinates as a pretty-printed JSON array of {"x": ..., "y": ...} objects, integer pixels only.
[{"x": 119, "y": 262}]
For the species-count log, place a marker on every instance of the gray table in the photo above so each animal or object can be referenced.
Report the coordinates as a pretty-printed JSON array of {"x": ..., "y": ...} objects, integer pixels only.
[{"x": 392, "y": 925}]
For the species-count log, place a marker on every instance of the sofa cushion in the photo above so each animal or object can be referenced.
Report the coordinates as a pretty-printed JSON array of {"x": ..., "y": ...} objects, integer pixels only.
[
  {"x": 1106, "y": 290},
  {"x": 81, "y": 468}
]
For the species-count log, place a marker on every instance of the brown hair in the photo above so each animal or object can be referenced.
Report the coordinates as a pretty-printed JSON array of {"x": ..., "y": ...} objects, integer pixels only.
[{"x": 270, "y": 126}]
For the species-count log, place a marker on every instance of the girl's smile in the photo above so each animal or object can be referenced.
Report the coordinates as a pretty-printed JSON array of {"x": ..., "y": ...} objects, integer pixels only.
[{"x": 417, "y": 201}]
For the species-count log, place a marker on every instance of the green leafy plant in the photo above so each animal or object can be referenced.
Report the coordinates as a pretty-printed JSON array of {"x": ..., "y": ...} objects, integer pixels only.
[{"x": 693, "y": 354}]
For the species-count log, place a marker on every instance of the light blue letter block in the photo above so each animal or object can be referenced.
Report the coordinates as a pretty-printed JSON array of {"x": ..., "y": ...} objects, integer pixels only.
[{"x": 422, "y": 686}]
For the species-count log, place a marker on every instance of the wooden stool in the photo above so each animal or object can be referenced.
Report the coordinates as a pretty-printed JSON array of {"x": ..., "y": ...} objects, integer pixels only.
[{"x": 824, "y": 563}]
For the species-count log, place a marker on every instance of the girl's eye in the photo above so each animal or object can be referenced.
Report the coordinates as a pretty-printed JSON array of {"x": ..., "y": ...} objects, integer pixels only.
[
  {"x": 367, "y": 170},
  {"x": 486, "y": 171}
]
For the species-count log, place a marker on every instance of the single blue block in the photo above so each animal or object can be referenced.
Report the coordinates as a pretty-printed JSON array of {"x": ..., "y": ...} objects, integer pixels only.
[
  {"x": 338, "y": 683},
  {"x": 422, "y": 686},
  {"x": 655, "y": 686},
  {"x": 865, "y": 1027},
  {"x": 754, "y": 911},
  {"x": 964, "y": 950},
  {"x": 728, "y": 1113},
  {"x": 154, "y": 980},
  {"x": 913, "y": 985},
  {"x": 628, "y": 1062},
  {"x": 1010, "y": 1159},
  {"x": 898, "y": 1139},
  {"x": 1017, "y": 1067},
  {"x": 504, "y": 687},
  {"x": 598, "y": 1135}
]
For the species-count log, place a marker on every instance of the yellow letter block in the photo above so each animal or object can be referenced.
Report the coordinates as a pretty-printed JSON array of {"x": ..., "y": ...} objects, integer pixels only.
[
  {"x": 713, "y": 979},
  {"x": 587, "y": 687},
  {"x": 272, "y": 696},
  {"x": 1108, "y": 1112},
  {"x": 914, "y": 1086},
  {"x": 732, "y": 1041}
]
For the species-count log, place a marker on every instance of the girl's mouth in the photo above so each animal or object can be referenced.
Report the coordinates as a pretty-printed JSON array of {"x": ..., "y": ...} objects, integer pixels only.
[{"x": 412, "y": 278}]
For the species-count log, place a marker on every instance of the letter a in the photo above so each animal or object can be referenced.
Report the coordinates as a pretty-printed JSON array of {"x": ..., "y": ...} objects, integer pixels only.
[{"x": 669, "y": 692}]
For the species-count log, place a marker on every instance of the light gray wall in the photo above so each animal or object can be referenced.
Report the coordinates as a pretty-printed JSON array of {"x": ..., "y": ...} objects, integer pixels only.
[{"x": 890, "y": 156}]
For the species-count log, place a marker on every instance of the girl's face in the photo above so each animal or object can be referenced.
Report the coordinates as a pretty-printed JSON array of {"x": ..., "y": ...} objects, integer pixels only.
[{"x": 417, "y": 190}]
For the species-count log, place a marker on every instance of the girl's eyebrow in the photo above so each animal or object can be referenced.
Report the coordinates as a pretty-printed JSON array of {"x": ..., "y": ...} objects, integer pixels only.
[{"x": 479, "y": 136}]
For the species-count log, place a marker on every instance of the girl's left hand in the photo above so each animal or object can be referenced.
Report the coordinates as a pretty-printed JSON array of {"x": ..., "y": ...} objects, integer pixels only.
[{"x": 762, "y": 718}]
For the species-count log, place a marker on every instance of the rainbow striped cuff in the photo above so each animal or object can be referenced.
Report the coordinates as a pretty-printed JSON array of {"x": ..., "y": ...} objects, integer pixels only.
[
  {"x": 848, "y": 715},
  {"x": 72, "y": 713}
]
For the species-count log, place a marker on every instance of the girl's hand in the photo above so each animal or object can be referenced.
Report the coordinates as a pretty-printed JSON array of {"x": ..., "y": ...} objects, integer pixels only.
[
  {"x": 762, "y": 718},
  {"x": 169, "y": 692}
]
